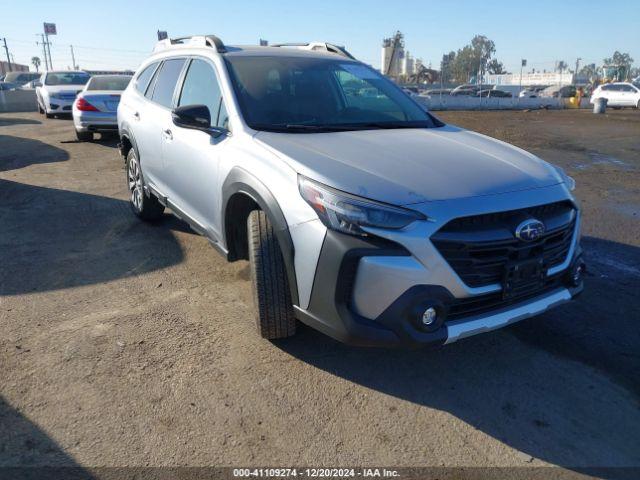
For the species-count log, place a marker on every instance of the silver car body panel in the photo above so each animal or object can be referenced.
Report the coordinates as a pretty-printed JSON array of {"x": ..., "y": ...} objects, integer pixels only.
[{"x": 409, "y": 166}]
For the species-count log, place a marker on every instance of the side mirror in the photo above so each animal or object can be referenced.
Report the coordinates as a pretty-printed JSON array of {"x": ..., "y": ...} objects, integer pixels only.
[{"x": 196, "y": 117}]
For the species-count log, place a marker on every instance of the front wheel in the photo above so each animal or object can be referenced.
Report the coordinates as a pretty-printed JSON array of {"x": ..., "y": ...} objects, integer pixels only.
[
  {"x": 147, "y": 207},
  {"x": 271, "y": 295}
]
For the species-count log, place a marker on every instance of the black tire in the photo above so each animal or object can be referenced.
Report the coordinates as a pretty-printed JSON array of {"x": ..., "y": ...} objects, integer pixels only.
[
  {"x": 147, "y": 207},
  {"x": 48, "y": 115},
  {"x": 271, "y": 294},
  {"x": 84, "y": 136},
  {"x": 638, "y": 105},
  {"x": 40, "y": 109}
]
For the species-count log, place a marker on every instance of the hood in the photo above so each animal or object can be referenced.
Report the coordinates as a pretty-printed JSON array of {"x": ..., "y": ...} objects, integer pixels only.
[{"x": 406, "y": 166}]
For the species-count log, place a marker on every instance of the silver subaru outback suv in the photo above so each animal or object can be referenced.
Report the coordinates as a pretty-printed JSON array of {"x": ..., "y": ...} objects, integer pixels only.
[{"x": 362, "y": 215}]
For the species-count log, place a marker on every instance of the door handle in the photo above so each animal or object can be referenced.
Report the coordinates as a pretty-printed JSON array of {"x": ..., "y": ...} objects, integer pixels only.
[{"x": 167, "y": 134}]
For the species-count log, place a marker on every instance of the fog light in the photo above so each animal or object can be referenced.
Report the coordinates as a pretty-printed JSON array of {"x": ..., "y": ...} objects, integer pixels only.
[
  {"x": 429, "y": 316},
  {"x": 575, "y": 277}
]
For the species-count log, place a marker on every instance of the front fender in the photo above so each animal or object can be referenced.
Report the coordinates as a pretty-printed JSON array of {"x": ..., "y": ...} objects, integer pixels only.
[{"x": 241, "y": 181}]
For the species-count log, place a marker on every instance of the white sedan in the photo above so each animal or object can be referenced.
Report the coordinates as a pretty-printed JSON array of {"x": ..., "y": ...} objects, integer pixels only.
[
  {"x": 620, "y": 94},
  {"x": 56, "y": 91}
]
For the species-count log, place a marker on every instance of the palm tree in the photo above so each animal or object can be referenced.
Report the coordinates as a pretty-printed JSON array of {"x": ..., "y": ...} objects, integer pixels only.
[{"x": 35, "y": 61}]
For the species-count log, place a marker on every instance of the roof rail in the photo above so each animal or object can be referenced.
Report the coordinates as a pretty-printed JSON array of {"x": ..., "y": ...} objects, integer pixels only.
[
  {"x": 202, "y": 40},
  {"x": 329, "y": 47}
]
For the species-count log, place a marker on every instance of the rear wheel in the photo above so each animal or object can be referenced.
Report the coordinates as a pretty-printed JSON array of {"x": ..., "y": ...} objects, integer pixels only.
[
  {"x": 146, "y": 207},
  {"x": 271, "y": 295},
  {"x": 84, "y": 136}
]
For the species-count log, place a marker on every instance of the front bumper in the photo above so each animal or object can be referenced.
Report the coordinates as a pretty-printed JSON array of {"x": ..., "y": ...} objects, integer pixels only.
[
  {"x": 59, "y": 105},
  {"x": 344, "y": 271}
]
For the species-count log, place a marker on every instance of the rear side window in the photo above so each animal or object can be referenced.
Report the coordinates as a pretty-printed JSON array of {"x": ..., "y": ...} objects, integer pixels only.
[
  {"x": 201, "y": 87},
  {"x": 142, "y": 82},
  {"x": 166, "y": 81}
]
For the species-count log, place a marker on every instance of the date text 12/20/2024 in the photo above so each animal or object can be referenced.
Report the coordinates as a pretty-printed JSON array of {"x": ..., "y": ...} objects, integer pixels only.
[{"x": 315, "y": 472}]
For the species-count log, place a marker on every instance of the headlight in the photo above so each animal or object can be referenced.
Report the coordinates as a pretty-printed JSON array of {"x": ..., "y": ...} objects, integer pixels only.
[
  {"x": 566, "y": 179},
  {"x": 348, "y": 213}
]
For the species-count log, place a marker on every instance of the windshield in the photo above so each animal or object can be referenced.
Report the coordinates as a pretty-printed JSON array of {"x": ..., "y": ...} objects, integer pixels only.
[
  {"x": 308, "y": 94},
  {"x": 66, "y": 78},
  {"x": 109, "y": 82}
]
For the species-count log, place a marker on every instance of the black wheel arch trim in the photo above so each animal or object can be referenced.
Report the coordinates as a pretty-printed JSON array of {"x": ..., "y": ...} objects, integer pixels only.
[
  {"x": 241, "y": 181},
  {"x": 126, "y": 133}
]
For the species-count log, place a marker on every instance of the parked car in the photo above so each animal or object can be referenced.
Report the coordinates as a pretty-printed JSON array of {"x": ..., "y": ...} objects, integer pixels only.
[
  {"x": 20, "y": 78},
  {"x": 494, "y": 94},
  {"x": 471, "y": 90},
  {"x": 619, "y": 94},
  {"x": 95, "y": 108},
  {"x": 8, "y": 86},
  {"x": 366, "y": 218},
  {"x": 57, "y": 90},
  {"x": 532, "y": 92},
  {"x": 32, "y": 85},
  {"x": 555, "y": 91},
  {"x": 436, "y": 92}
]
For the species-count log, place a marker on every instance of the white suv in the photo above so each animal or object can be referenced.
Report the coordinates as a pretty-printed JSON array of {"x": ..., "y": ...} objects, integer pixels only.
[
  {"x": 361, "y": 214},
  {"x": 619, "y": 94}
]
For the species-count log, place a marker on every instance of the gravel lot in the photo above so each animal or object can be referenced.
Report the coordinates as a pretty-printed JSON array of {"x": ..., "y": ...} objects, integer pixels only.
[{"x": 125, "y": 344}]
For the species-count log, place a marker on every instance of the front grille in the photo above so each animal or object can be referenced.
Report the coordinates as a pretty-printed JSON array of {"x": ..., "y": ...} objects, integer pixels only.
[
  {"x": 466, "y": 307},
  {"x": 480, "y": 247}
]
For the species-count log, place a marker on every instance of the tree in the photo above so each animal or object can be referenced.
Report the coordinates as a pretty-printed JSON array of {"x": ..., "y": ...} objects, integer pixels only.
[
  {"x": 483, "y": 49},
  {"x": 495, "y": 67},
  {"x": 35, "y": 61},
  {"x": 446, "y": 65},
  {"x": 472, "y": 59},
  {"x": 561, "y": 66},
  {"x": 619, "y": 59},
  {"x": 589, "y": 72},
  {"x": 620, "y": 65}
]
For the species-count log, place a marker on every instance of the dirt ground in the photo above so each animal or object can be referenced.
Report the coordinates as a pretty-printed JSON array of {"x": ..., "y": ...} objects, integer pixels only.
[{"x": 125, "y": 344}]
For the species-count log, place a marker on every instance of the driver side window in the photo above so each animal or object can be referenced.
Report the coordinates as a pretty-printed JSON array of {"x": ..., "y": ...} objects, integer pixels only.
[{"x": 201, "y": 87}]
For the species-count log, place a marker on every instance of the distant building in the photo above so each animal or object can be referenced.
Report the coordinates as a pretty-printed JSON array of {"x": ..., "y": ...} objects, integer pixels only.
[
  {"x": 392, "y": 55},
  {"x": 15, "y": 67},
  {"x": 538, "y": 78}
]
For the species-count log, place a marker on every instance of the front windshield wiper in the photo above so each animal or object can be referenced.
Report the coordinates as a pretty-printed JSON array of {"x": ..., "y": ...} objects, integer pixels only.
[{"x": 338, "y": 127}]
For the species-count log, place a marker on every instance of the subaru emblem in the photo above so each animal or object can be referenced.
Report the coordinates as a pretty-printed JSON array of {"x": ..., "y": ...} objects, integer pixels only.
[{"x": 530, "y": 230}]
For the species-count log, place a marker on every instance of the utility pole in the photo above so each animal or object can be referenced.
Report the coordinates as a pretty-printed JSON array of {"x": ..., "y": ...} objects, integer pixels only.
[
  {"x": 48, "y": 44},
  {"x": 44, "y": 52},
  {"x": 577, "y": 67},
  {"x": 7, "y": 52},
  {"x": 523, "y": 63},
  {"x": 73, "y": 58}
]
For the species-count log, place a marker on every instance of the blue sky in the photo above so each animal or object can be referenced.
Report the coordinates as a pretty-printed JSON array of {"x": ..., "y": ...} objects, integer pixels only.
[{"x": 118, "y": 34}]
